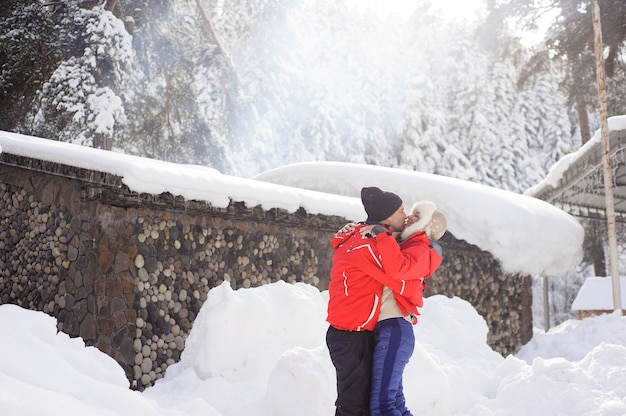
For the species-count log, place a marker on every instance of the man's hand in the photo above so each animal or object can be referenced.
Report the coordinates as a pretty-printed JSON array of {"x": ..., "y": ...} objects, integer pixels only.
[
  {"x": 347, "y": 229},
  {"x": 372, "y": 230}
]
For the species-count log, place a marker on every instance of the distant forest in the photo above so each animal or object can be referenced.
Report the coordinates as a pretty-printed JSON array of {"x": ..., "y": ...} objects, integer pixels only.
[
  {"x": 250, "y": 85},
  {"x": 246, "y": 86}
]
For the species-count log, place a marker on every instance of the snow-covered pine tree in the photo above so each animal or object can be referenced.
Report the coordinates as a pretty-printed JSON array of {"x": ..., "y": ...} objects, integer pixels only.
[
  {"x": 30, "y": 52},
  {"x": 458, "y": 76},
  {"x": 547, "y": 125},
  {"x": 80, "y": 102},
  {"x": 173, "y": 117}
]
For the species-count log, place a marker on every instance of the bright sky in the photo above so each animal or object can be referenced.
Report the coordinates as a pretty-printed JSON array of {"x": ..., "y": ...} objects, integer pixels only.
[{"x": 454, "y": 9}]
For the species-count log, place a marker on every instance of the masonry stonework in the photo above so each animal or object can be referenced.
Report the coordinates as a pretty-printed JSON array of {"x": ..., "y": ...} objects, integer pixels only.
[{"x": 128, "y": 272}]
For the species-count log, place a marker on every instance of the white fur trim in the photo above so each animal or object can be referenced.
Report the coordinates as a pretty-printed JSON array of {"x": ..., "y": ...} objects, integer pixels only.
[
  {"x": 425, "y": 210},
  {"x": 409, "y": 231}
]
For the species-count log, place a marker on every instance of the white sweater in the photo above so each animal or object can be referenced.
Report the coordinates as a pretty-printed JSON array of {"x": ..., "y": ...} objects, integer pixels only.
[{"x": 389, "y": 308}]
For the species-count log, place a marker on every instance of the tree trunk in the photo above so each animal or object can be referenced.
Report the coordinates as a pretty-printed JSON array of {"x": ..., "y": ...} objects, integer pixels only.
[
  {"x": 597, "y": 249},
  {"x": 110, "y": 5},
  {"x": 583, "y": 122},
  {"x": 100, "y": 141}
]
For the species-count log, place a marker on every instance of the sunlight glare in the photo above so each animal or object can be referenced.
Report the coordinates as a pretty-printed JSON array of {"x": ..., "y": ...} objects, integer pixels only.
[
  {"x": 452, "y": 9},
  {"x": 460, "y": 9}
]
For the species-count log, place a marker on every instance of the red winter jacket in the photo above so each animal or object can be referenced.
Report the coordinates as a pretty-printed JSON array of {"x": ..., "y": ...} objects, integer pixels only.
[
  {"x": 412, "y": 297},
  {"x": 363, "y": 265}
]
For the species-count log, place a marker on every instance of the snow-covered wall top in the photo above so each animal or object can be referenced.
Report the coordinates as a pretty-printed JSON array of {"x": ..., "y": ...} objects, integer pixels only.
[
  {"x": 527, "y": 235},
  {"x": 193, "y": 182}
]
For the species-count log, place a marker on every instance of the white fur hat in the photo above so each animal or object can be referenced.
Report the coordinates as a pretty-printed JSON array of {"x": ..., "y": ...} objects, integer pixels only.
[{"x": 432, "y": 221}]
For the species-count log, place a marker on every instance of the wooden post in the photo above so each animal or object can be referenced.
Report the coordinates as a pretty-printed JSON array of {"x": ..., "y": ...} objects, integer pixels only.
[
  {"x": 606, "y": 156},
  {"x": 546, "y": 303}
]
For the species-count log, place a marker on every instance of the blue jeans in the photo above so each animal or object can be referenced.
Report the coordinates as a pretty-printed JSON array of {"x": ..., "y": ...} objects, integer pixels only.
[{"x": 394, "y": 346}]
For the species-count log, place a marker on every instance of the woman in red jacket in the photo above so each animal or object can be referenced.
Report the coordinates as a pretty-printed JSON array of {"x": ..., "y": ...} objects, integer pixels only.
[
  {"x": 366, "y": 258},
  {"x": 394, "y": 338}
]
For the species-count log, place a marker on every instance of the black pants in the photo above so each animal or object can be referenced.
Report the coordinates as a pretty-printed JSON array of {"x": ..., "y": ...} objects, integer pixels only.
[{"x": 351, "y": 353}]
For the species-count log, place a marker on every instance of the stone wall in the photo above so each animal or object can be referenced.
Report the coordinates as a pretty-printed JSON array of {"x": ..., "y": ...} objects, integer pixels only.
[
  {"x": 129, "y": 272},
  {"x": 504, "y": 300}
]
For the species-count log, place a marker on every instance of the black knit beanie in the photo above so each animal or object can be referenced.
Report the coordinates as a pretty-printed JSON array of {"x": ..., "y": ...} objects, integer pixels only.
[{"x": 379, "y": 204}]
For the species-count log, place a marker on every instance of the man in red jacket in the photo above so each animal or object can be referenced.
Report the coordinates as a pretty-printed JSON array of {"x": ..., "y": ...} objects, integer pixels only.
[{"x": 366, "y": 258}]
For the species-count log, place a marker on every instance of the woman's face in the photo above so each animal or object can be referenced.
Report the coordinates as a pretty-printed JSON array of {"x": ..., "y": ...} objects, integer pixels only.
[{"x": 412, "y": 218}]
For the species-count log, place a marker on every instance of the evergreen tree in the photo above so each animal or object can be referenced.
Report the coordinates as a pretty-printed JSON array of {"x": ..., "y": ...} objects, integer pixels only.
[
  {"x": 462, "y": 80},
  {"x": 30, "y": 51},
  {"x": 248, "y": 86},
  {"x": 548, "y": 128},
  {"x": 571, "y": 40},
  {"x": 169, "y": 120},
  {"x": 80, "y": 101}
]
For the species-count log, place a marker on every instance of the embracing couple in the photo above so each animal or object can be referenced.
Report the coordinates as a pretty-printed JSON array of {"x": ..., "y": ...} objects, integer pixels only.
[{"x": 376, "y": 288}]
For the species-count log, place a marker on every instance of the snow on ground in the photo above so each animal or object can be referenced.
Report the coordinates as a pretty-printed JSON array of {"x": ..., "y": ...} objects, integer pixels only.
[{"x": 261, "y": 352}]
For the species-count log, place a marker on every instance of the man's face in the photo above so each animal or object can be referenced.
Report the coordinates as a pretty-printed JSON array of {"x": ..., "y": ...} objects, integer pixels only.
[{"x": 396, "y": 221}]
